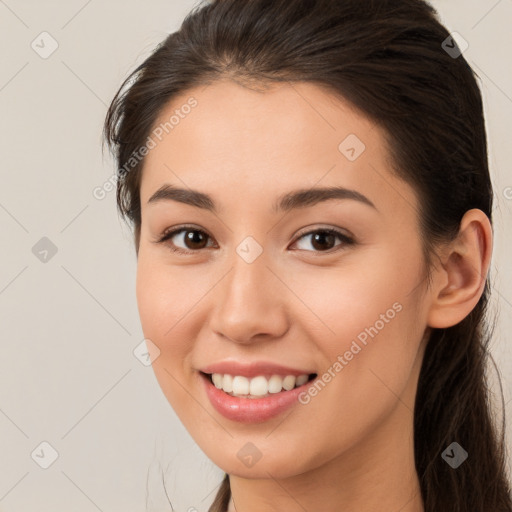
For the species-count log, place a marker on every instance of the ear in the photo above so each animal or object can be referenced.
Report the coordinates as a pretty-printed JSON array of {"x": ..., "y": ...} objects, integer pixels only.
[{"x": 460, "y": 280}]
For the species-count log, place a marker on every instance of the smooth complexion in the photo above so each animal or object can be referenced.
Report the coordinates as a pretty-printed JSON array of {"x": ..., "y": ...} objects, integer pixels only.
[{"x": 300, "y": 303}]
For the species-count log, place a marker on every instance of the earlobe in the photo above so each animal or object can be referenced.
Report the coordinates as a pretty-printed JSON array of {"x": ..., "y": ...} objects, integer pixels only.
[{"x": 460, "y": 280}]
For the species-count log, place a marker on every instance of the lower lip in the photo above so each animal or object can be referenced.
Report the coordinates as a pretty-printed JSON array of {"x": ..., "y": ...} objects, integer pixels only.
[{"x": 251, "y": 410}]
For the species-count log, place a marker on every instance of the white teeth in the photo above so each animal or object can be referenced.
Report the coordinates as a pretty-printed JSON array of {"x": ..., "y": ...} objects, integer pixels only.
[
  {"x": 227, "y": 383},
  {"x": 240, "y": 385},
  {"x": 217, "y": 380},
  {"x": 275, "y": 384},
  {"x": 289, "y": 382},
  {"x": 256, "y": 387},
  {"x": 301, "y": 379}
]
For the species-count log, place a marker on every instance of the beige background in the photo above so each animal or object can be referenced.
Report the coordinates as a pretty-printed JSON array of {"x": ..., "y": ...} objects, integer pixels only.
[{"x": 69, "y": 325}]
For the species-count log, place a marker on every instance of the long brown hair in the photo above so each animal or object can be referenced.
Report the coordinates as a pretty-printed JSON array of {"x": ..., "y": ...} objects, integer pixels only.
[{"x": 395, "y": 62}]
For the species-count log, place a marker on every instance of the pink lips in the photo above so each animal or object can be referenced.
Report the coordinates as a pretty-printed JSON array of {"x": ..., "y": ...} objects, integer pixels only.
[{"x": 250, "y": 410}]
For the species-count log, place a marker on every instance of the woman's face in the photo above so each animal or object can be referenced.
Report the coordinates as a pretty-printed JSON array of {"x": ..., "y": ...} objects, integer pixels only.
[{"x": 261, "y": 281}]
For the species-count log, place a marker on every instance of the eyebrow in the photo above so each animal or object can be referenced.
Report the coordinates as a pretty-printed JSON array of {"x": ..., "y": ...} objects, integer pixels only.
[{"x": 295, "y": 199}]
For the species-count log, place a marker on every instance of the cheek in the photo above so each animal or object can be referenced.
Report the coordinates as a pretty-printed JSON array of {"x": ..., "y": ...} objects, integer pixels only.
[
  {"x": 346, "y": 304},
  {"x": 163, "y": 307},
  {"x": 370, "y": 321},
  {"x": 163, "y": 303}
]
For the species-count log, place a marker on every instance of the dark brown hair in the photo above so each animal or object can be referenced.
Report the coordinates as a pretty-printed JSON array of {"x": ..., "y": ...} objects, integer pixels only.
[{"x": 398, "y": 65}]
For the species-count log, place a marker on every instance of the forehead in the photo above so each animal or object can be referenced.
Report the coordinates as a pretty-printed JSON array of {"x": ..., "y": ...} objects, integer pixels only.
[{"x": 288, "y": 136}]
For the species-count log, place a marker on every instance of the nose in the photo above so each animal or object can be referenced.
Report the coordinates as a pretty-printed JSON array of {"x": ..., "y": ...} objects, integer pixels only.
[{"x": 250, "y": 303}]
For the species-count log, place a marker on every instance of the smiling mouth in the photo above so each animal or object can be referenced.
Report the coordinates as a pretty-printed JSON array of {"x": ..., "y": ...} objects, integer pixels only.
[{"x": 260, "y": 386}]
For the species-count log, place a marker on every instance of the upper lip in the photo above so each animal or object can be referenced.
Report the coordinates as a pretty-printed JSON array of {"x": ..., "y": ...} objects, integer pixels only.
[{"x": 252, "y": 369}]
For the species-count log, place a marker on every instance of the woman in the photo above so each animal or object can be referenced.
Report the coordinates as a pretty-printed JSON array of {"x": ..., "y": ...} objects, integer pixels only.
[{"x": 311, "y": 202}]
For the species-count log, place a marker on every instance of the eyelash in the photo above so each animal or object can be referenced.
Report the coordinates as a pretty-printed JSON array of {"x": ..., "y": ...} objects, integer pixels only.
[{"x": 346, "y": 240}]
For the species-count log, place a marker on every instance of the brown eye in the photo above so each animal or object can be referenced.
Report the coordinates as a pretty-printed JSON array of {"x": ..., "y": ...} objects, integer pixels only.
[
  {"x": 185, "y": 239},
  {"x": 195, "y": 239},
  {"x": 324, "y": 240}
]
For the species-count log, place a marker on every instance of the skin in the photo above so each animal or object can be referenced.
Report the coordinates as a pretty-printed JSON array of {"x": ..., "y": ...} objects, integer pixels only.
[{"x": 351, "y": 447}]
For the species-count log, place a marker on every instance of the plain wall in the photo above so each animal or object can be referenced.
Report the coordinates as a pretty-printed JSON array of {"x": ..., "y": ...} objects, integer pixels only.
[{"x": 69, "y": 324}]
